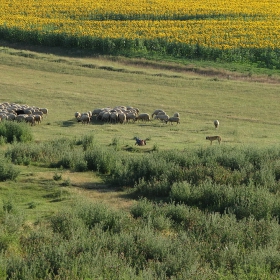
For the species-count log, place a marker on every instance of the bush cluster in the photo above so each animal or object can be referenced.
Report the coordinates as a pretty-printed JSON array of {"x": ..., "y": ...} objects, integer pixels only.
[
  {"x": 15, "y": 132},
  {"x": 153, "y": 241}
]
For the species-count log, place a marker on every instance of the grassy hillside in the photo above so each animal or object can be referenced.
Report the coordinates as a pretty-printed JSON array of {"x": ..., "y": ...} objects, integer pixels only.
[
  {"x": 47, "y": 214},
  {"x": 247, "y": 111},
  {"x": 246, "y": 106}
]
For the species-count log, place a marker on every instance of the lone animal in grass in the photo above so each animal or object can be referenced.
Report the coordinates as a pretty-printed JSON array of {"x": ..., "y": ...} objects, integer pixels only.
[
  {"x": 140, "y": 142},
  {"x": 213, "y": 138},
  {"x": 216, "y": 123}
]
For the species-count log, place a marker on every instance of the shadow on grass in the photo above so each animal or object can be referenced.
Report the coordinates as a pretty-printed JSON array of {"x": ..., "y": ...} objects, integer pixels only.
[{"x": 68, "y": 123}]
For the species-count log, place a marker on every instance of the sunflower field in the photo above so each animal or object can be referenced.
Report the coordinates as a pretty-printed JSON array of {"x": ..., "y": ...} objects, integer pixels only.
[{"x": 237, "y": 30}]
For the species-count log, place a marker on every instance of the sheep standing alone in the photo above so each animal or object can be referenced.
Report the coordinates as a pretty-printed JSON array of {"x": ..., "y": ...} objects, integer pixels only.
[{"x": 216, "y": 123}]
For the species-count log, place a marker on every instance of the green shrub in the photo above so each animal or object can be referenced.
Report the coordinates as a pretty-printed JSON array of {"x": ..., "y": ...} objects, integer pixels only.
[
  {"x": 15, "y": 132},
  {"x": 100, "y": 159},
  {"x": 87, "y": 141},
  {"x": 57, "y": 176},
  {"x": 7, "y": 170}
]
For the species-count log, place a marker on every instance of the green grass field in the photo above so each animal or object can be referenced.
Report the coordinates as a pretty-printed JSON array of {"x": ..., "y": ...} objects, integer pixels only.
[
  {"x": 247, "y": 111},
  {"x": 246, "y": 106},
  {"x": 148, "y": 235}
]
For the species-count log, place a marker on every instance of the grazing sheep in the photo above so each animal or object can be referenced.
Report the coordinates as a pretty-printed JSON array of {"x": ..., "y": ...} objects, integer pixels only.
[
  {"x": 3, "y": 116},
  {"x": 114, "y": 117},
  {"x": 30, "y": 120},
  {"x": 44, "y": 110},
  {"x": 21, "y": 117},
  {"x": 122, "y": 117},
  {"x": 216, "y": 123},
  {"x": 38, "y": 113},
  {"x": 37, "y": 119},
  {"x": 100, "y": 115},
  {"x": 130, "y": 116},
  {"x": 143, "y": 117},
  {"x": 95, "y": 112},
  {"x": 156, "y": 112},
  {"x": 106, "y": 117},
  {"x": 20, "y": 112},
  {"x": 84, "y": 119},
  {"x": 163, "y": 118},
  {"x": 173, "y": 119},
  {"x": 77, "y": 115},
  {"x": 11, "y": 117}
]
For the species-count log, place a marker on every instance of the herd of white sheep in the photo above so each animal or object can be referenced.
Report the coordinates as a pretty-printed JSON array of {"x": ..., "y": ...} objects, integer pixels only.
[
  {"x": 125, "y": 114},
  {"x": 22, "y": 113}
]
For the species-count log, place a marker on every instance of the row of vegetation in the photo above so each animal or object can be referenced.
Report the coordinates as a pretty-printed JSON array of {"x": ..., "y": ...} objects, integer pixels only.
[
  {"x": 215, "y": 30},
  {"x": 204, "y": 214}
]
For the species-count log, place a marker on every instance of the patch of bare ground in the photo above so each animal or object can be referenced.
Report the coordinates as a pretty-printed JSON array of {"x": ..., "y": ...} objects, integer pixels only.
[
  {"x": 89, "y": 186},
  {"x": 87, "y": 59}
]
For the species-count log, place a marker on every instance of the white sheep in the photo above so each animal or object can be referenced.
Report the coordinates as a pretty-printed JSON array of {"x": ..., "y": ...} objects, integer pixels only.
[
  {"x": 84, "y": 119},
  {"x": 163, "y": 118},
  {"x": 106, "y": 117},
  {"x": 114, "y": 117},
  {"x": 37, "y": 119},
  {"x": 30, "y": 119},
  {"x": 216, "y": 123},
  {"x": 130, "y": 116},
  {"x": 156, "y": 112},
  {"x": 143, "y": 117},
  {"x": 21, "y": 117},
  {"x": 173, "y": 119},
  {"x": 122, "y": 117},
  {"x": 44, "y": 110},
  {"x": 95, "y": 112},
  {"x": 77, "y": 115}
]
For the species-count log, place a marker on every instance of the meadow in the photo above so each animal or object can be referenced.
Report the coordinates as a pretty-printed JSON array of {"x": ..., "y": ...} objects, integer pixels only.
[{"x": 82, "y": 201}]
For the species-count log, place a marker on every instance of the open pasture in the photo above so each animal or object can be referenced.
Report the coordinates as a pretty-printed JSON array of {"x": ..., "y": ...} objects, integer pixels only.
[
  {"x": 59, "y": 222},
  {"x": 248, "y": 111}
]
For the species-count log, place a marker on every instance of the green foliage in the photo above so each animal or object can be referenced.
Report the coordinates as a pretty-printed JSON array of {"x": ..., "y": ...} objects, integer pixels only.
[
  {"x": 57, "y": 176},
  {"x": 267, "y": 58},
  {"x": 159, "y": 241},
  {"x": 7, "y": 170},
  {"x": 100, "y": 159},
  {"x": 15, "y": 132},
  {"x": 116, "y": 143},
  {"x": 87, "y": 141}
]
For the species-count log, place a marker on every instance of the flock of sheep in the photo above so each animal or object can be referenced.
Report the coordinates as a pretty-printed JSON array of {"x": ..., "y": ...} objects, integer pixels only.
[
  {"x": 22, "y": 113},
  {"x": 124, "y": 114}
]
